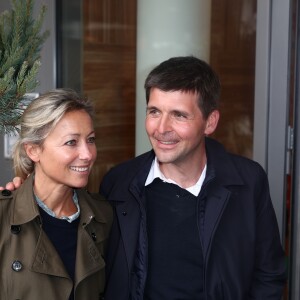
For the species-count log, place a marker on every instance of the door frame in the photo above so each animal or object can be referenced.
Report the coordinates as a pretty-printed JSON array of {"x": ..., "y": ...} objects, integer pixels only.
[{"x": 271, "y": 114}]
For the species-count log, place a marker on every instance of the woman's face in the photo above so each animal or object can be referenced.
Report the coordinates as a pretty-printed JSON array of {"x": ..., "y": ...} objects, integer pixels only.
[{"x": 68, "y": 153}]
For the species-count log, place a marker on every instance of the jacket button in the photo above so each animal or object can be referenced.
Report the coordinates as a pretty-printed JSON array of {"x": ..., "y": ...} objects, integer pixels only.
[
  {"x": 17, "y": 266},
  {"x": 6, "y": 193},
  {"x": 15, "y": 229},
  {"x": 94, "y": 236},
  {"x": 124, "y": 213}
]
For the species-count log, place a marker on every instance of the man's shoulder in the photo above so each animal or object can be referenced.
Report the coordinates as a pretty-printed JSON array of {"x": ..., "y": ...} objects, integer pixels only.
[
  {"x": 120, "y": 176},
  {"x": 215, "y": 148},
  {"x": 228, "y": 163}
]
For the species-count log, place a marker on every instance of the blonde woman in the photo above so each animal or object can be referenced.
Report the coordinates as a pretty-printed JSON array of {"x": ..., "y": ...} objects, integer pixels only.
[{"x": 53, "y": 233}]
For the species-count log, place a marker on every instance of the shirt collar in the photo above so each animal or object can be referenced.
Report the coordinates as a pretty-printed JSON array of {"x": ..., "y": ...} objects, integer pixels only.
[
  {"x": 156, "y": 173},
  {"x": 50, "y": 212}
]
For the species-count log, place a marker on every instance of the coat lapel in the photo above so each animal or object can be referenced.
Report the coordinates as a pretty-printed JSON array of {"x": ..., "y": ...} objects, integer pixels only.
[
  {"x": 129, "y": 220},
  {"x": 130, "y": 209},
  {"x": 222, "y": 174},
  {"x": 46, "y": 260},
  {"x": 215, "y": 205},
  {"x": 88, "y": 257}
]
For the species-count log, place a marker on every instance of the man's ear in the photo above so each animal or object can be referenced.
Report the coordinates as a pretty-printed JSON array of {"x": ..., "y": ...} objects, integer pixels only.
[
  {"x": 33, "y": 151},
  {"x": 212, "y": 122}
]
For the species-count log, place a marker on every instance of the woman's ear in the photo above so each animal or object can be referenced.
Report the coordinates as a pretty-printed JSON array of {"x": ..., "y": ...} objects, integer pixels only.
[
  {"x": 33, "y": 151},
  {"x": 212, "y": 122}
]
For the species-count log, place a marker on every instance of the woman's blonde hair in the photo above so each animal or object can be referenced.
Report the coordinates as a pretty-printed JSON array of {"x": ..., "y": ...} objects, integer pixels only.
[{"x": 39, "y": 118}]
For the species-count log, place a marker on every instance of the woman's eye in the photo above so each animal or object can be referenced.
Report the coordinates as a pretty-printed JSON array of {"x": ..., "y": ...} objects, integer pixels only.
[
  {"x": 71, "y": 143},
  {"x": 91, "y": 140}
]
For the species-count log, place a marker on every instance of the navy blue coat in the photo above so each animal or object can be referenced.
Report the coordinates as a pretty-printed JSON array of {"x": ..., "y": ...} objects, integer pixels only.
[{"x": 241, "y": 244}]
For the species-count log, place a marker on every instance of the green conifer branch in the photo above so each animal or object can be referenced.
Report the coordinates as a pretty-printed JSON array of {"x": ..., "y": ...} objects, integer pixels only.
[{"x": 21, "y": 41}]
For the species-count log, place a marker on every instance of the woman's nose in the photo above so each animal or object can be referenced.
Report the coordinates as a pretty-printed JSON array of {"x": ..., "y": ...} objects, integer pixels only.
[{"x": 86, "y": 151}]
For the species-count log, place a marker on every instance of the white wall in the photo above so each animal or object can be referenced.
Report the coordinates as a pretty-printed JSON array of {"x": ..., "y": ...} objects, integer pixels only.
[{"x": 165, "y": 29}]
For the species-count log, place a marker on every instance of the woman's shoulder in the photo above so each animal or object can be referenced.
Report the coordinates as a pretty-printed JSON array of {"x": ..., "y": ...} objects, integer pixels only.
[
  {"x": 97, "y": 203},
  {"x": 6, "y": 195},
  {"x": 6, "y": 199},
  {"x": 99, "y": 200}
]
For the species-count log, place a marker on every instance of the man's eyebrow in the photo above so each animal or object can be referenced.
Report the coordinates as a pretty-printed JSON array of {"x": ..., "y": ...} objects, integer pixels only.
[{"x": 151, "y": 107}]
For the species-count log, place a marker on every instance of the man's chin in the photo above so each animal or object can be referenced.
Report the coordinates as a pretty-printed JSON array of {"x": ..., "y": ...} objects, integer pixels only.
[{"x": 165, "y": 159}]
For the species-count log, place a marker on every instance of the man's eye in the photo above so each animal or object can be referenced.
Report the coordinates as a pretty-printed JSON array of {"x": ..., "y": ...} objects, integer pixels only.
[
  {"x": 180, "y": 116},
  {"x": 153, "y": 112}
]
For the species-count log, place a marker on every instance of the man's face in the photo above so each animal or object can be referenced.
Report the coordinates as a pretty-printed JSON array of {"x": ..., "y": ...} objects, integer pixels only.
[{"x": 176, "y": 127}]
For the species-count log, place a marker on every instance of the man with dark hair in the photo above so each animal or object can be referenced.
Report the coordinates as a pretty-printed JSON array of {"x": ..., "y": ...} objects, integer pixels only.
[{"x": 191, "y": 220}]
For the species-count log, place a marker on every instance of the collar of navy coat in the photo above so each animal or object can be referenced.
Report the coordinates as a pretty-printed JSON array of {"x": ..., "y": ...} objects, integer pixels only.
[{"x": 220, "y": 167}]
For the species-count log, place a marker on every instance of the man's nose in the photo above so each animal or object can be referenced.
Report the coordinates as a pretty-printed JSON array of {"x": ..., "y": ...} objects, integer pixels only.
[{"x": 164, "y": 124}]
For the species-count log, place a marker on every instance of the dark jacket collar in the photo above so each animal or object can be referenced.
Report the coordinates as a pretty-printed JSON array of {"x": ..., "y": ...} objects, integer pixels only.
[
  {"x": 220, "y": 165},
  {"x": 139, "y": 180}
]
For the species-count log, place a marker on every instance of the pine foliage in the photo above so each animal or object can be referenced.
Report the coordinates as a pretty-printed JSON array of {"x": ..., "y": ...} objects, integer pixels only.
[{"x": 21, "y": 41}]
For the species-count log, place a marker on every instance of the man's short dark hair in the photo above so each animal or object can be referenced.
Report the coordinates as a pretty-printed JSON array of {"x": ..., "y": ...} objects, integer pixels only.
[{"x": 187, "y": 74}]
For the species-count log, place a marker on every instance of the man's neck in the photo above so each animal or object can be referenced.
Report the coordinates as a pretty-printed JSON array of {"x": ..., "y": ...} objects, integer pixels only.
[{"x": 183, "y": 175}]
